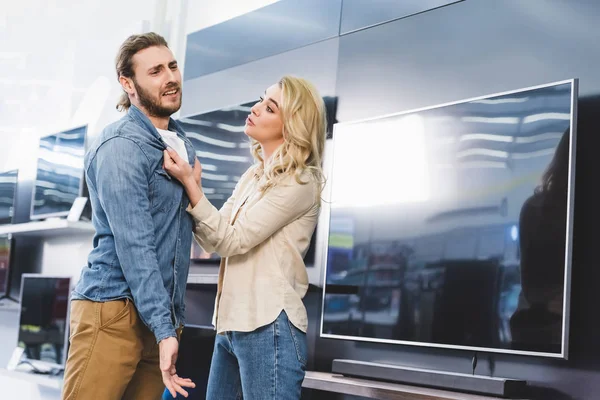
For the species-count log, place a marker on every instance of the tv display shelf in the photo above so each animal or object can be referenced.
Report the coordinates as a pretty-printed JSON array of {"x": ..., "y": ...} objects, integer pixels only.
[
  {"x": 50, "y": 227},
  {"x": 50, "y": 382},
  {"x": 381, "y": 390},
  {"x": 203, "y": 279}
]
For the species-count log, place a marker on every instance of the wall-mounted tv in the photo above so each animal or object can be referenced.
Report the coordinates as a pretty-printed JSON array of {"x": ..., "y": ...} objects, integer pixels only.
[
  {"x": 8, "y": 190},
  {"x": 224, "y": 151},
  {"x": 43, "y": 320},
  {"x": 451, "y": 226},
  {"x": 6, "y": 247},
  {"x": 60, "y": 176}
]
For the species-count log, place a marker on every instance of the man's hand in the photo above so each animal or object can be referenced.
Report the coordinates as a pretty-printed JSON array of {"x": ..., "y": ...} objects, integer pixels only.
[{"x": 168, "y": 349}]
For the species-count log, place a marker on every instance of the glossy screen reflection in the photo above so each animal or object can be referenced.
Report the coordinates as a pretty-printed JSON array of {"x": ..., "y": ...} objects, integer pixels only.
[
  {"x": 450, "y": 226},
  {"x": 59, "y": 173},
  {"x": 8, "y": 188},
  {"x": 223, "y": 149}
]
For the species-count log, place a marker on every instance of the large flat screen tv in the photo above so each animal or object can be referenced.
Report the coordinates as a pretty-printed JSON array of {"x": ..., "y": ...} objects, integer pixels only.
[
  {"x": 60, "y": 177},
  {"x": 8, "y": 190},
  {"x": 224, "y": 151},
  {"x": 451, "y": 226},
  {"x": 44, "y": 319}
]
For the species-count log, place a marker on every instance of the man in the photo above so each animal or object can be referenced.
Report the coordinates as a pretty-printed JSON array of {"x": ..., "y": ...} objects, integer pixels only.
[{"x": 127, "y": 308}]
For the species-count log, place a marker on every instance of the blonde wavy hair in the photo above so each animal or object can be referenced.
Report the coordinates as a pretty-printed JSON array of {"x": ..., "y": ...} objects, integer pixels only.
[{"x": 304, "y": 131}]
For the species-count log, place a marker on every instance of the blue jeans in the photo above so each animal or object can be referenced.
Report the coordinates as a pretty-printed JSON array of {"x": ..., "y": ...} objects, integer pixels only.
[{"x": 266, "y": 364}]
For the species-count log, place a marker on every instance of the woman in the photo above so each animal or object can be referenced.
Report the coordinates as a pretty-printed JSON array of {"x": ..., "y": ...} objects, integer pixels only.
[{"x": 262, "y": 233}]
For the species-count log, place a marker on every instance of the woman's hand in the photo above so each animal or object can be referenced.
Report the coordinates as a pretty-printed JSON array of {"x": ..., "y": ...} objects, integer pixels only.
[{"x": 179, "y": 168}]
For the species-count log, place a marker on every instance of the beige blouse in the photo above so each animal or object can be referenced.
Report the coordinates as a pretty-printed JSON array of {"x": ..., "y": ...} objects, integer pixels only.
[{"x": 262, "y": 238}]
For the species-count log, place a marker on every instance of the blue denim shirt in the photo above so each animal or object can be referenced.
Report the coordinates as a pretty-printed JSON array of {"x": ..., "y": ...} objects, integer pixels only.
[{"x": 143, "y": 232}]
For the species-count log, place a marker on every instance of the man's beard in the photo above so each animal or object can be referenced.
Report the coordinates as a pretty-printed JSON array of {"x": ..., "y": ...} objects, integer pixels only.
[{"x": 153, "y": 106}]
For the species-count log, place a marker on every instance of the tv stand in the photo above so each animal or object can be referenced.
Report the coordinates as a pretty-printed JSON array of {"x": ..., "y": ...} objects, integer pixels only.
[
  {"x": 456, "y": 382},
  {"x": 328, "y": 382}
]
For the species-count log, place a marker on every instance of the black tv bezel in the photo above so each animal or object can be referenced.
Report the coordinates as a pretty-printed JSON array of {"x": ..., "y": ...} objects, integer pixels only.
[{"x": 324, "y": 237}]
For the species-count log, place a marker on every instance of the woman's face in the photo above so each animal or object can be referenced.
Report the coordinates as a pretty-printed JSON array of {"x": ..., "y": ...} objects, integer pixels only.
[{"x": 265, "y": 122}]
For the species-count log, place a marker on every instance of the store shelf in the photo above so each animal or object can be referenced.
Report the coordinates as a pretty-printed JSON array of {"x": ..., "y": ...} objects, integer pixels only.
[
  {"x": 51, "y": 382},
  {"x": 54, "y": 227},
  {"x": 203, "y": 279}
]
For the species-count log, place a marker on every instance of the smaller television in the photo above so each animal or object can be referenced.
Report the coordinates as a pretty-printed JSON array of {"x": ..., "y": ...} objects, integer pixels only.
[
  {"x": 8, "y": 190},
  {"x": 60, "y": 172},
  {"x": 6, "y": 246},
  {"x": 200, "y": 304},
  {"x": 44, "y": 319}
]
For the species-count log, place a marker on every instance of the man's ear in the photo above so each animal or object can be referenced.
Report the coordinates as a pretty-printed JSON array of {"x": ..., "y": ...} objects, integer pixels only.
[{"x": 127, "y": 85}]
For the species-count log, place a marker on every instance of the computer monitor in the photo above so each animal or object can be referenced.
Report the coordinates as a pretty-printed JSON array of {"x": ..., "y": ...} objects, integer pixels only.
[
  {"x": 8, "y": 190},
  {"x": 60, "y": 176},
  {"x": 6, "y": 243},
  {"x": 200, "y": 304},
  {"x": 43, "y": 320}
]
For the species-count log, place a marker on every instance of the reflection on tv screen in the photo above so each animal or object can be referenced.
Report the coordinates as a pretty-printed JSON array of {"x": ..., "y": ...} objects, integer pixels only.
[
  {"x": 449, "y": 226},
  {"x": 59, "y": 173},
  {"x": 5, "y": 257},
  {"x": 43, "y": 321},
  {"x": 8, "y": 188},
  {"x": 224, "y": 151}
]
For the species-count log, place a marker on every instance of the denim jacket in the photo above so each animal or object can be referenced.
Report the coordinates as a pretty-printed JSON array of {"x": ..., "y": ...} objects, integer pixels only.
[{"x": 143, "y": 232}]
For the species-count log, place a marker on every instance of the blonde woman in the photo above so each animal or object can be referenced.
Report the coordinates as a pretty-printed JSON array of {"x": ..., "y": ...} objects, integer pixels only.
[{"x": 262, "y": 234}]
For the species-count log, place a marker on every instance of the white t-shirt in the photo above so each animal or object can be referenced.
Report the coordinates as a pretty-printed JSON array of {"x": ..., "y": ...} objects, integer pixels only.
[{"x": 175, "y": 142}]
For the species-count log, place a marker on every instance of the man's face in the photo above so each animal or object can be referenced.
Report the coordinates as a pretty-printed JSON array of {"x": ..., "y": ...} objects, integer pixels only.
[{"x": 157, "y": 81}]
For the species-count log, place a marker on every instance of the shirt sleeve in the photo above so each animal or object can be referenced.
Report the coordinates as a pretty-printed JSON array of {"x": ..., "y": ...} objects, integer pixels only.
[
  {"x": 278, "y": 206},
  {"x": 123, "y": 187}
]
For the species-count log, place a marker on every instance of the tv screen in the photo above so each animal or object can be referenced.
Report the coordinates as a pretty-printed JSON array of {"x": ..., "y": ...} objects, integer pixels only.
[
  {"x": 5, "y": 263},
  {"x": 200, "y": 303},
  {"x": 224, "y": 151},
  {"x": 451, "y": 226},
  {"x": 59, "y": 179},
  {"x": 8, "y": 190},
  {"x": 43, "y": 322}
]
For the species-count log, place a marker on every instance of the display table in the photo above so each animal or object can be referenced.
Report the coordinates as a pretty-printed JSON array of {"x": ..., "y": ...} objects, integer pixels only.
[{"x": 381, "y": 390}]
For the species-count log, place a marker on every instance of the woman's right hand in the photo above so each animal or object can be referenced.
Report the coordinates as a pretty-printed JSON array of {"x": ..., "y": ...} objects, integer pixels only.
[
  {"x": 181, "y": 170},
  {"x": 178, "y": 168}
]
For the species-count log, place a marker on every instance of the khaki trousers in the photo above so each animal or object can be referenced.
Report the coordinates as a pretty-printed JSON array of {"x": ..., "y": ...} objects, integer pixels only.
[{"x": 112, "y": 354}]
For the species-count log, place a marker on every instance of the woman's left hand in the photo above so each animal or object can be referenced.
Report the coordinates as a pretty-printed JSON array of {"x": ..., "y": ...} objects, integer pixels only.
[{"x": 179, "y": 168}]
